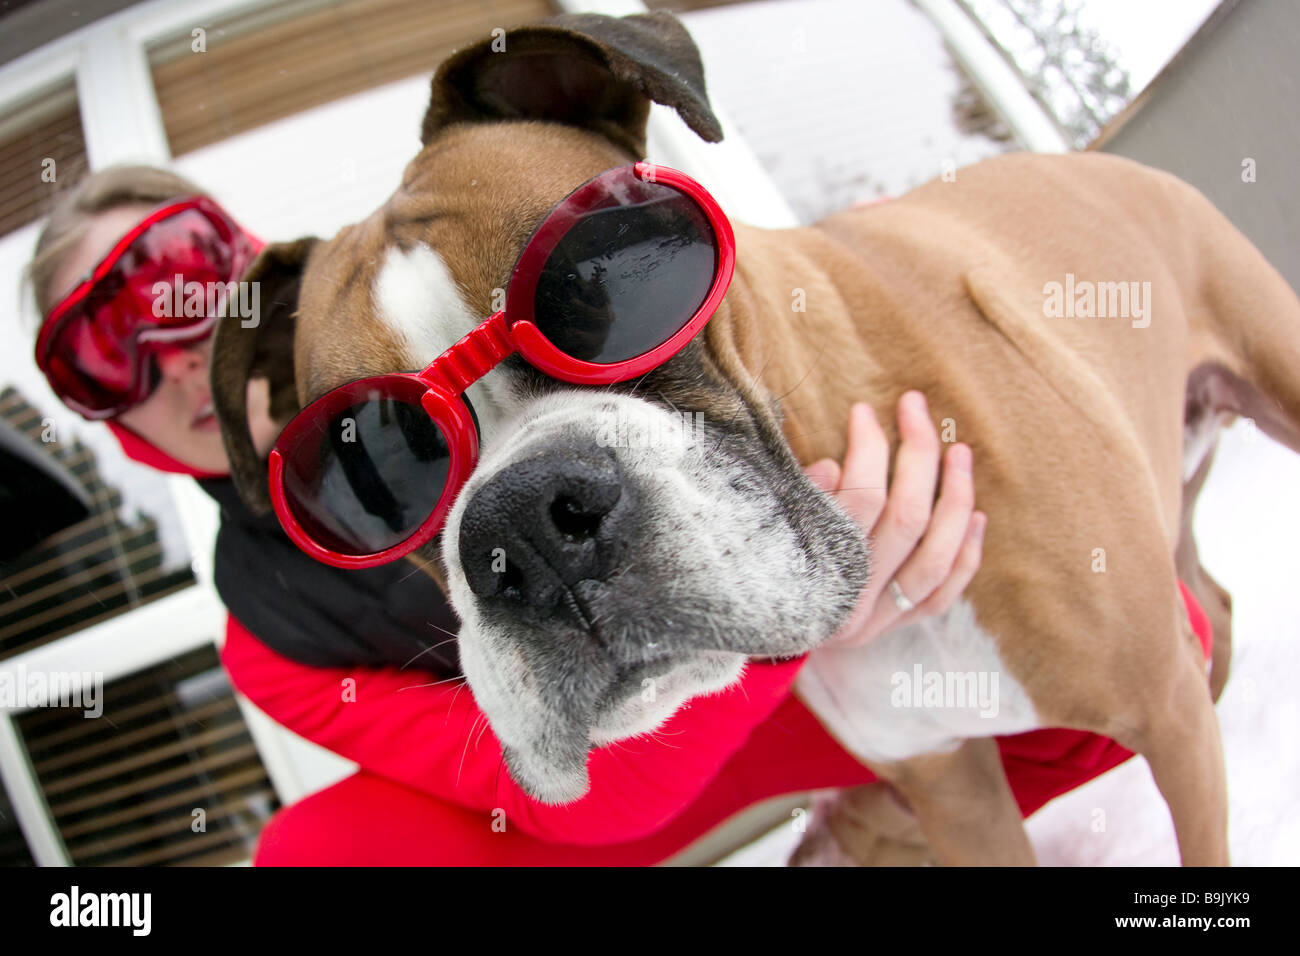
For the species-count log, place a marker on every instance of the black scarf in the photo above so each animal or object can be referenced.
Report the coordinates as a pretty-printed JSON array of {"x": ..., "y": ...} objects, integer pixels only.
[{"x": 322, "y": 616}]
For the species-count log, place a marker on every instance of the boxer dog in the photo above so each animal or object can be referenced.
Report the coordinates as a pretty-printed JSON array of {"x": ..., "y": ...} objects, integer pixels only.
[{"x": 1084, "y": 323}]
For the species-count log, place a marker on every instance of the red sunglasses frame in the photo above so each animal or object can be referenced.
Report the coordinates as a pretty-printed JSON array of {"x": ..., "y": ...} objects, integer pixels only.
[
  {"x": 438, "y": 387},
  {"x": 231, "y": 232}
]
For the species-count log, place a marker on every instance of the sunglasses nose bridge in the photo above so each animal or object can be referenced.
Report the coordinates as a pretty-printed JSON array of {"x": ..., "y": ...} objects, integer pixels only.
[{"x": 473, "y": 356}]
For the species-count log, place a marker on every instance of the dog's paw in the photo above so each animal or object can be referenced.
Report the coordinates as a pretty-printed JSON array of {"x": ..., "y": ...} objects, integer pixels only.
[{"x": 863, "y": 826}]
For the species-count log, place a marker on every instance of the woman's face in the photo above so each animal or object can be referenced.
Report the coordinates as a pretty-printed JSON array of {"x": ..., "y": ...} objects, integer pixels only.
[{"x": 177, "y": 418}]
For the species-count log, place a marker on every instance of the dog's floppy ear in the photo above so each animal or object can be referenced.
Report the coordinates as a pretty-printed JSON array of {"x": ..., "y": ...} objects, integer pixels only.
[
  {"x": 582, "y": 69},
  {"x": 263, "y": 347}
]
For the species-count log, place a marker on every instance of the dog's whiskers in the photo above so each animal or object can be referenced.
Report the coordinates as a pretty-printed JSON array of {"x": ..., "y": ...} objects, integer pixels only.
[
  {"x": 464, "y": 750},
  {"x": 429, "y": 649},
  {"x": 637, "y": 384},
  {"x": 669, "y": 402},
  {"x": 500, "y": 766},
  {"x": 414, "y": 571},
  {"x": 486, "y": 724},
  {"x": 451, "y": 634},
  {"x": 463, "y": 684},
  {"x": 805, "y": 375},
  {"x": 447, "y": 680}
]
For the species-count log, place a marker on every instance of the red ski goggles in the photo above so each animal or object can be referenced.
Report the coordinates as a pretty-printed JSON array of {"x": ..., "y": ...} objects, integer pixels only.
[
  {"x": 96, "y": 346},
  {"x": 618, "y": 278}
]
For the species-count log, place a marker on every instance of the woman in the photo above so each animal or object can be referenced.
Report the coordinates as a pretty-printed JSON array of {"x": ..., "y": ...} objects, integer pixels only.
[
  {"x": 325, "y": 658},
  {"x": 111, "y": 357}
]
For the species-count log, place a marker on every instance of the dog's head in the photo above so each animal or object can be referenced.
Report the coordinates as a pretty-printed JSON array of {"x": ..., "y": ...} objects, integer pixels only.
[{"x": 617, "y": 550}]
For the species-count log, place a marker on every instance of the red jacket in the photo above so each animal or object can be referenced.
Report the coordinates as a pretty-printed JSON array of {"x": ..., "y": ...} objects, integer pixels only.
[{"x": 714, "y": 757}]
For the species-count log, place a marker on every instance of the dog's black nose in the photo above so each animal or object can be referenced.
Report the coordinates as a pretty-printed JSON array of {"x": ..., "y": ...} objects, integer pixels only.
[{"x": 540, "y": 525}]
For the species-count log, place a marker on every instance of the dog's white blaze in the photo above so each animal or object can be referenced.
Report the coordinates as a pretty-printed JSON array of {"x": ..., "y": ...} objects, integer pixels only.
[
  {"x": 856, "y": 691},
  {"x": 417, "y": 299}
]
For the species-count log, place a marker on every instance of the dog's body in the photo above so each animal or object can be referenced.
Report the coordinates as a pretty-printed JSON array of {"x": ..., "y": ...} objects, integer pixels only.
[
  {"x": 725, "y": 551},
  {"x": 1078, "y": 427}
]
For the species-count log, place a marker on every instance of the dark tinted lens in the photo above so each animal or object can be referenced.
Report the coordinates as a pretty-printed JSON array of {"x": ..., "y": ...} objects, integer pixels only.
[
  {"x": 627, "y": 275},
  {"x": 365, "y": 479}
]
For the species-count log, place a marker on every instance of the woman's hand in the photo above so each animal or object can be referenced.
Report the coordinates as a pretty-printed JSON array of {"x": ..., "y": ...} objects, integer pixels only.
[{"x": 922, "y": 556}]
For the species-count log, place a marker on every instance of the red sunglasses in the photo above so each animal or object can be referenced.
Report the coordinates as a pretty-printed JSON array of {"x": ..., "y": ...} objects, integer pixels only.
[
  {"x": 618, "y": 278},
  {"x": 97, "y": 344}
]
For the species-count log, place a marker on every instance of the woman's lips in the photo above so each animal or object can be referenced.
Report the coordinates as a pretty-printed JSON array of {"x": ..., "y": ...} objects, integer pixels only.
[{"x": 205, "y": 420}]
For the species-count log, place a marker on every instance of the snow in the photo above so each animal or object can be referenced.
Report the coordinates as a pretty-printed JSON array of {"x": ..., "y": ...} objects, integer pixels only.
[{"x": 802, "y": 80}]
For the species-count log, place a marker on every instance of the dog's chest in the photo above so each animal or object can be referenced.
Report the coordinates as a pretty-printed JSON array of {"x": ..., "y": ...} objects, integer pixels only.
[{"x": 923, "y": 688}]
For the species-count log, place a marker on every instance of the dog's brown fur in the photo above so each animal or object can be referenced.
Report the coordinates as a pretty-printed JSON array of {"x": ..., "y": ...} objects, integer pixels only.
[
  {"x": 948, "y": 282},
  {"x": 1076, "y": 424}
]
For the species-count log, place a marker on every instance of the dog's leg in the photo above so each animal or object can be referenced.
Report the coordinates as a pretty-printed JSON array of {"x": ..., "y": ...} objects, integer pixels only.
[
  {"x": 964, "y": 805},
  {"x": 1214, "y": 600},
  {"x": 1178, "y": 734},
  {"x": 871, "y": 825},
  {"x": 1245, "y": 336},
  {"x": 1218, "y": 608}
]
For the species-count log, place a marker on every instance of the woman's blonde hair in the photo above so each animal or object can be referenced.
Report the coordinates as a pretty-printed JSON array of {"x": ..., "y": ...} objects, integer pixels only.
[{"x": 95, "y": 194}]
